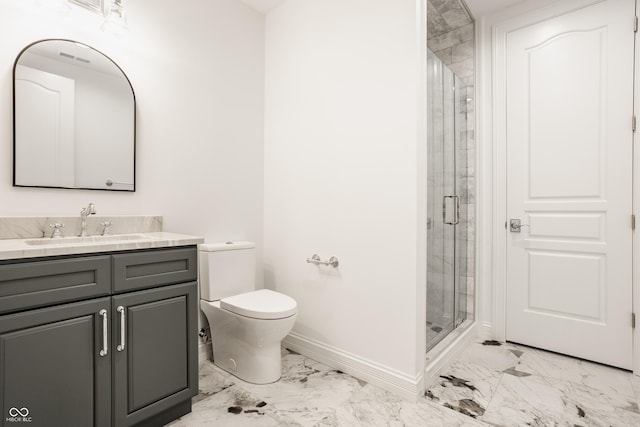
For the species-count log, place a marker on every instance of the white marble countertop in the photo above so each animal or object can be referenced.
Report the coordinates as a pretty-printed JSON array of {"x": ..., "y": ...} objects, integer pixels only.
[{"x": 45, "y": 246}]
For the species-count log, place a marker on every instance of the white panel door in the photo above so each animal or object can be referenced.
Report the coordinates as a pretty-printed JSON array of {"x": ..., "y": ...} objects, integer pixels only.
[
  {"x": 44, "y": 125},
  {"x": 569, "y": 180}
]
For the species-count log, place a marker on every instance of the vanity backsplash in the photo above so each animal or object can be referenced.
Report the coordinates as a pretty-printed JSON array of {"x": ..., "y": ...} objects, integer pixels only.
[{"x": 29, "y": 227}]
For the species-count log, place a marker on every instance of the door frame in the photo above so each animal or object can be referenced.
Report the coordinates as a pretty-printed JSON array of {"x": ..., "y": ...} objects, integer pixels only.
[
  {"x": 492, "y": 214},
  {"x": 636, "y": 203}
]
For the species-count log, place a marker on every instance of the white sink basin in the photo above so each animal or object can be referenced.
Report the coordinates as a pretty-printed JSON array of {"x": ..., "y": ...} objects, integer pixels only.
[{"x": 89, "y": 240}]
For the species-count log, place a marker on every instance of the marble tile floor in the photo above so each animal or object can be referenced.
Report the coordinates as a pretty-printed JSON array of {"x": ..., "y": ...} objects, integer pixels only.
[{"x": 488, "y": 385}]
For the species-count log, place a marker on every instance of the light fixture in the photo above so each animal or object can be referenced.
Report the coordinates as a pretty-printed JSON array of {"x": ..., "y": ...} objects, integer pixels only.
[{"x": 115, "y": 18}]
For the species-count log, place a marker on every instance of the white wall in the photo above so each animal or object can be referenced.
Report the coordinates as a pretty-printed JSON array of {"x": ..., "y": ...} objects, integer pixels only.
[
  {"x": 344, "y": 103},
  {"x": 342, "y": 148},
  {"x": 197, "y": 69}
]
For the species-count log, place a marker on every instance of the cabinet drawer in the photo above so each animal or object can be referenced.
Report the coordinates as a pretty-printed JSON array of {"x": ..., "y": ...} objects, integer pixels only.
[
  {"x": 39, "y": 283},
  {"x": 148, "y": 269}
]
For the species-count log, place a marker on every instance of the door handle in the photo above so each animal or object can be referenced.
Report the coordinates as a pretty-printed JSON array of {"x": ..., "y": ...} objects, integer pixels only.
[
  {"x": 515, "y": 225},
  {"x": 456, "y": 217},
  {"x": 105, "y": 331},
  {"x": 123, "y": 338}
]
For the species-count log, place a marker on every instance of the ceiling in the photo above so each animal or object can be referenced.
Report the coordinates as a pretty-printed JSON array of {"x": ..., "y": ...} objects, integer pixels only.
[
  {"x": 263, "y": 6},
  {"x": 478, "y": 8}
]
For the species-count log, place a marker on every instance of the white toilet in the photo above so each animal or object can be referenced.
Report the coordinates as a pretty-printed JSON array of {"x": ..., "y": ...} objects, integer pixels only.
[{"x": 247, "y": 325}]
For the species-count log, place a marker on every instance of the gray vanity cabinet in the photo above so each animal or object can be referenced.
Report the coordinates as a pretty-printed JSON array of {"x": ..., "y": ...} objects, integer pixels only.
[
  {"x": 99, "y": 353},
  {"x": 51, "y": 368},
  {"x": 153, "y": 367}
]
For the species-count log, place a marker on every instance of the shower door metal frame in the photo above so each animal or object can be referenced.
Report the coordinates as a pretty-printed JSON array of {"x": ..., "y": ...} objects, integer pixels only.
[{"x": 449, "y": 188}]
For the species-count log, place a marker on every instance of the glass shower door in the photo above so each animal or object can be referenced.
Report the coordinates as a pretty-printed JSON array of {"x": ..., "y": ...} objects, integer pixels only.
[{"x": 446, "y": 111}]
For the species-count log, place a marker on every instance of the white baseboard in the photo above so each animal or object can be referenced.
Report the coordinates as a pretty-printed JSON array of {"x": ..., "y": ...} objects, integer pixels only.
[
  {"x": 441, "y": 355},
  {"x": 485, "y": 331},
  {"x": 398, "y": 383}
]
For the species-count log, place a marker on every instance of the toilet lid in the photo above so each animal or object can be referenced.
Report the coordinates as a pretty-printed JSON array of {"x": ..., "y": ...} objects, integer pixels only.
[{"x": 262, "y": 304}]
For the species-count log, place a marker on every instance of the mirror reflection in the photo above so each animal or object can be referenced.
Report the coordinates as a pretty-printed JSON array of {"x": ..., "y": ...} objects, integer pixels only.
[{"x": 74, "y": 119}]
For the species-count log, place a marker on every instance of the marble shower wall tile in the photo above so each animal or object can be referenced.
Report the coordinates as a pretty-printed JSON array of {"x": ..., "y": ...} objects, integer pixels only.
[
  {"x": 463, "y": 51},
  {"x": 463, "y": 68},
  {"x": 452, "y": 38},
  {"x": 444, "y": 16},
  {"x": 437, "y": 23}
]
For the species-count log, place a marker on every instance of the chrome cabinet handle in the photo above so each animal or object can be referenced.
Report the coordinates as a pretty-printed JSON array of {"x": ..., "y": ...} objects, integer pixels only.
[
  {"x": 123, "y": 338},
  {"x": 105, "y": 331},
  {"x": 456, "y": 218}
]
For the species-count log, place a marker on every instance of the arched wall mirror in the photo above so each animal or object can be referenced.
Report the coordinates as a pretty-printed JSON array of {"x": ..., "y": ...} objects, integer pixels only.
[{"x": 74, "y": 118}]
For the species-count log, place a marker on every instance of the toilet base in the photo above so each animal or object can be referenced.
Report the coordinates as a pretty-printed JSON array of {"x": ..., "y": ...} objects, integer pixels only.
[
  {"x": 246, "y": 347},
  {"x": 256, "y": 366}
]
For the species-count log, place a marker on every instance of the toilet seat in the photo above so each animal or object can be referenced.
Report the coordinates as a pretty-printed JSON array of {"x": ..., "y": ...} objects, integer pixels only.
[{"x": 262, "y": 304}]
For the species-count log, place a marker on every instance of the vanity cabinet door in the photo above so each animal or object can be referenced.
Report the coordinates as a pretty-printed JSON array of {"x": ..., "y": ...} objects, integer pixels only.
[
  {"x": 51, "y": 369},
  {"x": 156, "y": 370}
]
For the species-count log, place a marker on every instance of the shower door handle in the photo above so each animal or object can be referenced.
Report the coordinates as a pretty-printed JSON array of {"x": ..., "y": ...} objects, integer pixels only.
[{"x": 456, "y": 215}]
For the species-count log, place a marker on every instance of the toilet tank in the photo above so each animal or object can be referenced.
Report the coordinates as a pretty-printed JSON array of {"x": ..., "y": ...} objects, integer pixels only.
[{"x": 226, "y": 269}]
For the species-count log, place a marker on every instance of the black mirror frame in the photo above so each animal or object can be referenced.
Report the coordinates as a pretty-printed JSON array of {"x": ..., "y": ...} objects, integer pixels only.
[{"x": 133, "y": 94}]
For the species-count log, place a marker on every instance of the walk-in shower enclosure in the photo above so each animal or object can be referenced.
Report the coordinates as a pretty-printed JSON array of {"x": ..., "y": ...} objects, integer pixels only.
[{"x": 451, "y": 156}]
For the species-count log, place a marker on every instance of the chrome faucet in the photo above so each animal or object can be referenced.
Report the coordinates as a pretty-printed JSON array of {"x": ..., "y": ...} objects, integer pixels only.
[{"x": 89, "y": 210}]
